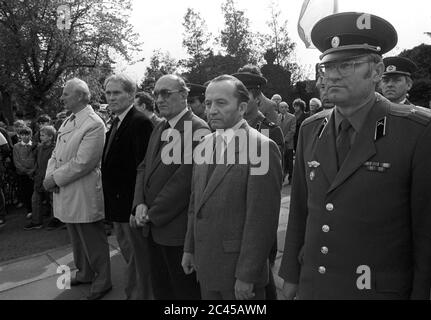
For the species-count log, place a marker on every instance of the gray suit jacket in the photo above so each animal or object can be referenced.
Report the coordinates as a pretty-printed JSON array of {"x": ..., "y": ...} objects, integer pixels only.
[
  {"x": 233, "y": 219},
  {"x": 288, "y": 126}
]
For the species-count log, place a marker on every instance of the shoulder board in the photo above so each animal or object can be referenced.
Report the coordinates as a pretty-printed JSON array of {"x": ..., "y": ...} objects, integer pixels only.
[
  {"x": 417, "y": 114},
  {"x": 326, "y": 113},
  {"x": 268, "y": 123}
]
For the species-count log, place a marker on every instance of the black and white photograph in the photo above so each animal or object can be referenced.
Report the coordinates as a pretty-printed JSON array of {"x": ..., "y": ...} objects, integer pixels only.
[{"x": 215, "y": 158}]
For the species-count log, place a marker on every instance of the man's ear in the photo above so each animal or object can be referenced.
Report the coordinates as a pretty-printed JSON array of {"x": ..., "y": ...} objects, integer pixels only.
[
  {"x": 243, "y": 107},
  {"x": 378, "y": 72},
  {"x": 409, "y": 83}
]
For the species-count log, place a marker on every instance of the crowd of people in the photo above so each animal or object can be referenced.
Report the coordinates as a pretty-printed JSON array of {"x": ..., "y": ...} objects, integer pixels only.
[{"x": 194, "y": 230}]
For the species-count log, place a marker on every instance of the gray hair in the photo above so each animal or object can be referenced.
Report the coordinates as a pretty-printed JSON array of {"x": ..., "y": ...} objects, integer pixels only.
[
  {"x": 317, "y": 101},
  {"x": 81, "y": 87}
]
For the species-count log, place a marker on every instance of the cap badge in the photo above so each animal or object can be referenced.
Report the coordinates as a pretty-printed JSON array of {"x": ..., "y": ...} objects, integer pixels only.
[
  {"x": 335, "y": 42},
  {"x": 391, "y": 68}
]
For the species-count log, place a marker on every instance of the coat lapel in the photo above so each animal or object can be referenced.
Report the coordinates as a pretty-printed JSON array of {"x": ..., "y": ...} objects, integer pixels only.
[
  {"x": 363, "y": 148},
  {"x": 220, "y": 171},
  {"x": 325, "y": 151}
]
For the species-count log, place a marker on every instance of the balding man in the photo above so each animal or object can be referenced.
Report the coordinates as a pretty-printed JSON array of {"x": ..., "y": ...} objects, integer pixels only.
[
  {"x": 73, "y": 174},
  {"x": 162, "y": 191}
]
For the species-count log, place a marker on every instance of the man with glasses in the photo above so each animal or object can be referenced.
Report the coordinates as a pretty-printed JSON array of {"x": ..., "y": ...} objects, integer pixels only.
[
  {"x": 359, "y": 224},
  {"x": 162, "y": 191}
]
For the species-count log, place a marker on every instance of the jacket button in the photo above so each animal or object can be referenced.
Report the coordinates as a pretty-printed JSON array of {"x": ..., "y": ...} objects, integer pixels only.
[
  {"x": 330, "y": 207},
  {"x": 322, "y": 270},
  {"x": 326, "y": 228},
  {"x": 324, "y": 250},
  {"x": 118, "y": 196}
]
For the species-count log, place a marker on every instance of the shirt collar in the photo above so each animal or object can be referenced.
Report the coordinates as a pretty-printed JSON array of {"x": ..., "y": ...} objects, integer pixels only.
[
  {"x": 357, "y": 119},
  {"x": 173, "y": 122},
  {"x": 228, "y": 134},
  {"x": 123, "y": 115}
]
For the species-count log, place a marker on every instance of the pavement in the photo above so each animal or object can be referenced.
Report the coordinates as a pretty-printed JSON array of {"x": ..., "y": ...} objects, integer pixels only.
[{"x": 35, "y": 277}]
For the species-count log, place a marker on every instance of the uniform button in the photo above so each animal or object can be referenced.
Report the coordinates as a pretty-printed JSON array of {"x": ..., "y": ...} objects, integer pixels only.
[
  {"x": 326, "y": 228},
  {"x": 325, "y": 250},
  {"x": 330, "y": 207},
  {"x": 322, "y": 270}
]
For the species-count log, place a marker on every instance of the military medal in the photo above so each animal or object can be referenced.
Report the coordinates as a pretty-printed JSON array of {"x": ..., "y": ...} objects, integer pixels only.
[
  {"x": 377, "y": 166},
  {"x": 312, "y": 175}
]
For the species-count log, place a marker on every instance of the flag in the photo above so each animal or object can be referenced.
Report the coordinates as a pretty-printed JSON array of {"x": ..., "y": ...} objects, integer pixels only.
[{"x": 311, "y": 12}]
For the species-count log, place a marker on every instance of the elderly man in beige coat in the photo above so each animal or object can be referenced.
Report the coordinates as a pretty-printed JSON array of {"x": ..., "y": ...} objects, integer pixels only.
[{"x": 74, "y": 175}]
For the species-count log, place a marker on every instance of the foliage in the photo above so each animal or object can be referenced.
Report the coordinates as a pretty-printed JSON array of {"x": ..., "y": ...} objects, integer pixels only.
[
  {"x": 38, "y": 55},
  {"x": 420, "y": 94}
]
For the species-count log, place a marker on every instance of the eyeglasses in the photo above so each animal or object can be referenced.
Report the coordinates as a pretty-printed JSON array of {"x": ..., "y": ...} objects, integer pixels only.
[
  {"x": 165, "y": 93},
  {"x": 345, "y": 68}
]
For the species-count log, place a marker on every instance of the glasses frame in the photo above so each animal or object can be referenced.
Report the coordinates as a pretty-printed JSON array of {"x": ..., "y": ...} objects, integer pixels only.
[
  {"x": 336, "y": 66},
  {"x": 165, "y": 93}
]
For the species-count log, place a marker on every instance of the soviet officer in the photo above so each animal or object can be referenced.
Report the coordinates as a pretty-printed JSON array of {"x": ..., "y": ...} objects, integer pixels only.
[
  {"x": 359, "y": 223},
  {"x": 196, "y": 99},
  {"x": 397, "y": 79}
]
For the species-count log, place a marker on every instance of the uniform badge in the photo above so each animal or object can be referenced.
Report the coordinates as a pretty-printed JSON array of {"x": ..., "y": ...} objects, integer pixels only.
[
  {"x": 391, "y": 68},
  {"x": 312, "y": 175},
  {"x": 335, "y": 42},
  {"x": 322, "y": 127},
  {"x": 313, "y": 164},
  {"x": 380, "y": 129}
]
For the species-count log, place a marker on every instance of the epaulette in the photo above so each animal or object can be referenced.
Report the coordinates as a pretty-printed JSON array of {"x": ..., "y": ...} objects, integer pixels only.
[
  {"x": 318, "y": 116},
  {"x": 268, "y": 123},
  {"x": 417, "y": 114}
]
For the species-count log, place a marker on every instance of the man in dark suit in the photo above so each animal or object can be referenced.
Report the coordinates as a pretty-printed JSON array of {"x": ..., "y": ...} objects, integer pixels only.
[
  {"x": 235, "y": 203},
  {"x": 125, "y": 147},
  {"x": 162, "y": 190},
  {"x": 360, "y": 223}
]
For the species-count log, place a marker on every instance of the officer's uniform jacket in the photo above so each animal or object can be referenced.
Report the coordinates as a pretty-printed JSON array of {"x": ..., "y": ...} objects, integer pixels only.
[{"x": 372, "y": 218}]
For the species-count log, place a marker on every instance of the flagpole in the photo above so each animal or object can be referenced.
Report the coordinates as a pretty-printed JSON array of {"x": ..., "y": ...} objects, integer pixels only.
[{"x": 335, "y": 6}]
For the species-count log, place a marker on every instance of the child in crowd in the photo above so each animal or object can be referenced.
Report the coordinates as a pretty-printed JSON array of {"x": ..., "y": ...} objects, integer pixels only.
[
  {"x": 23, "y": 158},
  {"x": 40, "y": 195}
]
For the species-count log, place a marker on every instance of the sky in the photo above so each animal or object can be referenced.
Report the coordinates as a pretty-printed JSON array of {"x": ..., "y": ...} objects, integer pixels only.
[{"x": 159, "y": 24}]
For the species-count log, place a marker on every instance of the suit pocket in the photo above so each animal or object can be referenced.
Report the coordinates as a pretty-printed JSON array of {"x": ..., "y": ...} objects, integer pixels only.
[
  {"x": 301, "y": 256},
  {"x": 231, "y": 246}
]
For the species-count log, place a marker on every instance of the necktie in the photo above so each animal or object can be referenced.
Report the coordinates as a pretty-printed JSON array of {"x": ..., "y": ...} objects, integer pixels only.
[
  {"x": 114, "y": 129},
  {"x": 217, "y": 149},
  {"x": 343, "y": 141}
]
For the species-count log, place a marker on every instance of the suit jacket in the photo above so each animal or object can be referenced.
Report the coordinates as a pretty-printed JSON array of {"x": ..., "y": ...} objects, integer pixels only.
[
  {"x": 375, "y": 211},
  {"x": 233, "y": 219},
  {"x": 165, "y": 188},
  {"x": 288, "y": 126},
  {"x": 119, "y": 166},
  {"x": 75, "y": 164},
  {"x": 268, "y": 108}
]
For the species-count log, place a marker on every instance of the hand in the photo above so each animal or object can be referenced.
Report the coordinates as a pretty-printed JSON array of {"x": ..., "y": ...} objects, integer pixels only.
[
  {"x": 243, "y": 290},
  {"x": 289, "y": 290},
  {"x": 188, "y": 263},
  {"x": 141, "y": 215},
  {"x": 49, "y": 183},
  {"x": 132, "y": 222}
]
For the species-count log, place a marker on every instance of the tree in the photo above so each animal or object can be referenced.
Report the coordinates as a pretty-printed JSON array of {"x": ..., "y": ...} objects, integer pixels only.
[
  {"x": 420, "y": 94},
  {"x": 44, "y": 42},
  {"x": 278, "y": 38},
  {"x": 236, "y": 38},
  {"x": 160, "y": 65}
]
